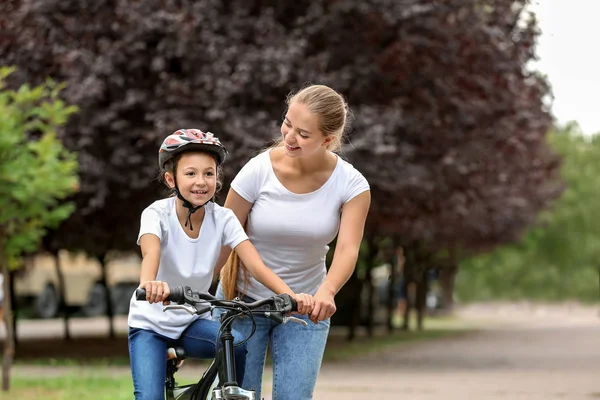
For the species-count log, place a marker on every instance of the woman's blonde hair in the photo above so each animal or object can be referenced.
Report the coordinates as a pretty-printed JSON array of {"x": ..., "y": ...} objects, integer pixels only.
[{"x": 229, "y": 275}]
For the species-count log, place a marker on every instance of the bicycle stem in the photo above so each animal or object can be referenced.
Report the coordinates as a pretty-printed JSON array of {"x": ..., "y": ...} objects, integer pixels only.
[{"x": 228, "y": 353}]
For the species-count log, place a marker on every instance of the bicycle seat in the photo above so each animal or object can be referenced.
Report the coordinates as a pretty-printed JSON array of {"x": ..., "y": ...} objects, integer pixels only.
[{"x": 176, "y": 353}]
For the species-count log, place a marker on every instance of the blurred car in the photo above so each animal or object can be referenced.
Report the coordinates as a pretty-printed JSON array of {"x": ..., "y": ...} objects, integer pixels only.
[{"x": 37, "y": 285}]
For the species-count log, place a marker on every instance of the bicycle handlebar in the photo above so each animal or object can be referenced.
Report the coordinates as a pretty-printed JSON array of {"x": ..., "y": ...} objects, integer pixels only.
[
  {"x": 282, "y": 303},
  {"x": 179, "y": 295}
]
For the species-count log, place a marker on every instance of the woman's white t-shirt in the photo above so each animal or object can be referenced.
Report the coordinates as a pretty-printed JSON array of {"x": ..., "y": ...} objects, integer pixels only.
[
  {"x": 183, "y": 260},
  {"x": 291, "y": 231}
]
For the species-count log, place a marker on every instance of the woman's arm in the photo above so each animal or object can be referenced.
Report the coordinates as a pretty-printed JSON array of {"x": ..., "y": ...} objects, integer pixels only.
[
  {"x": 352, "y": 226},
  {"x": 156, "y": 291}
]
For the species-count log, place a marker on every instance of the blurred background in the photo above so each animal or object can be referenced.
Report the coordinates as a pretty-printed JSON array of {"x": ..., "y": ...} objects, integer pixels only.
[{"x": 474, "y": 122}]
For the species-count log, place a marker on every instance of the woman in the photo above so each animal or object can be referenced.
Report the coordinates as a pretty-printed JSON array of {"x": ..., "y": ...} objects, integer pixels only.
[{"x": 293, "y": 199}]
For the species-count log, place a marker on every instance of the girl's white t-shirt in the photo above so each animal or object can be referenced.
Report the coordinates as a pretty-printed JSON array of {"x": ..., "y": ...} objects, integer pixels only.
[
  {"x": 183, "y": 260},
  {"x": 291, "y": 231}
]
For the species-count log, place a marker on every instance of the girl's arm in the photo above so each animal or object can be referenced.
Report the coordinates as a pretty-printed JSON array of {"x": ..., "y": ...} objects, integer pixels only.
[
  {"x": 156, "y": 291},
  {"x": 352, "y": 225},
  {"x": 247, "y": 252},
  {"x": 251, "y": 259}
]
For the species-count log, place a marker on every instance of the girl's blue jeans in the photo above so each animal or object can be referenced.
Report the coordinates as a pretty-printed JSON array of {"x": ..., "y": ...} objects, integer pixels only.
[
  {"x": 297, "y": 352},
  {"x": 148, "y": 355}
]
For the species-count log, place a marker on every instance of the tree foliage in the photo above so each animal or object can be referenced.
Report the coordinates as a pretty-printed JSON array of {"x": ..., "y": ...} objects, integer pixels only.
[
  {"x": 36, "y": 174},
  {"x": 449, "y": 124},
  {"x": 558, "y": 259},
  {"x": 468, "y": 165}
]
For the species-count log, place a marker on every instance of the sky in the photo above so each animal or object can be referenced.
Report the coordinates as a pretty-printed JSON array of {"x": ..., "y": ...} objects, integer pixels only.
[{"x": 569, "y": 51}]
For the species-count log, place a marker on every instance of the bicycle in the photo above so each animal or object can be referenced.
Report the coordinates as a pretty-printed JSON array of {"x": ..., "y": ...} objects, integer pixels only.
[{"x": 223, "y": 365}]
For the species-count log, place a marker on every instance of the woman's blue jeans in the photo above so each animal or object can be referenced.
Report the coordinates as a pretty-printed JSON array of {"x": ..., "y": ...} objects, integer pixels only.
[
  {"x": 148, "y": 355},
  {"x": 297, "y": 352}
]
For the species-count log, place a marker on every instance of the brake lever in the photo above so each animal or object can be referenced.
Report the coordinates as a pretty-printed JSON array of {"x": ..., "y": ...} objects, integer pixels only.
[
  {"x": 190, "y": 310},
  {"x": 294, "y": 319}
]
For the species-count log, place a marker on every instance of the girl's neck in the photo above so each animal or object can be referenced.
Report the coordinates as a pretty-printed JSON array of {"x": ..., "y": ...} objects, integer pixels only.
[{"x": 182, "y": 214}]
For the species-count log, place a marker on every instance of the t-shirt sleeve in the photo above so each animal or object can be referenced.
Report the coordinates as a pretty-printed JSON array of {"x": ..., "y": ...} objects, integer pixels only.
[
  {"x": 233, "y": 232},
  {"x": 247, "y": 181},
  {"x": 355, "y": 185},
  {"x": 150, "y": 223}
]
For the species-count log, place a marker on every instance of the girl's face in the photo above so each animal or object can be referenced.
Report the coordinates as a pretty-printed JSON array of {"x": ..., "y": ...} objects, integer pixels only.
[
  {"x": 196, "y": 177},
  {"x": 301, "y": 133}
]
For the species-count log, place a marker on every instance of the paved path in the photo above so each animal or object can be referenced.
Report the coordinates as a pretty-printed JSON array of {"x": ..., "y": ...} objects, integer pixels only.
[
  {"x": 528, "y": 353},
  {"x": 523, "y": 352}
]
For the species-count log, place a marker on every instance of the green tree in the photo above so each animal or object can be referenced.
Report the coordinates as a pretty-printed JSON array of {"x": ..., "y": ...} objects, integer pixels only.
[
  {"x": 558, "y": 259},
  {"x": 36, "y": 173}
]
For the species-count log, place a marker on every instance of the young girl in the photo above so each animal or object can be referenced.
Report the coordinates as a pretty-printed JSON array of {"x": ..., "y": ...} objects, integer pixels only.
[
  {"x": 294, "y": 199},
  {"x": 180, "y": 239}
]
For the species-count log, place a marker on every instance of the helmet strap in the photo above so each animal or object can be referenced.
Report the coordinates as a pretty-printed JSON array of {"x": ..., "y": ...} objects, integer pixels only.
[{"x": 191, "y": 208}]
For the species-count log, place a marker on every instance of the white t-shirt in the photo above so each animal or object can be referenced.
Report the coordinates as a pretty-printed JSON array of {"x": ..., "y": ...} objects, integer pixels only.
[
  {"x": 292, "y": 231},
  {"x": 183, "y": 260}
]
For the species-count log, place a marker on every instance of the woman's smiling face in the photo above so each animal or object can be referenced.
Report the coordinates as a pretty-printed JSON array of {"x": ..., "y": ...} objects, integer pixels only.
[{"x": 301, "y": 133}]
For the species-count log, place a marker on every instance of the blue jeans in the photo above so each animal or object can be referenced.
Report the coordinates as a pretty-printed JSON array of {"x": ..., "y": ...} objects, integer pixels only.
[
  {"x": 148, "y": 355},
  {"x": 297, "y": 352}
]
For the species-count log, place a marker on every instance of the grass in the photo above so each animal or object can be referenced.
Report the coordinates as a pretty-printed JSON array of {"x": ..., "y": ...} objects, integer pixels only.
[
  {"x": 97, "y": 385},
  {"x": 104, "y": 379},
  {"x": 75, "y": 362}
]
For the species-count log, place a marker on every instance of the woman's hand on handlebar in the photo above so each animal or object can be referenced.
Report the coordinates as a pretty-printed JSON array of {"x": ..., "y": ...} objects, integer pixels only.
[
  {"x": 156, "y": 291},
  {"x": 305, "y": 303},
  {"x": 324, "y": 305}
]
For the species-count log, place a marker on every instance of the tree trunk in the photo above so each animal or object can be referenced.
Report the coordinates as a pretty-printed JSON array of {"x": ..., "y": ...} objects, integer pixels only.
[
  {"x": 9, "y": 343},
  {"x": 109, "y": 306},
  {"x": 355, "y": 305},
  {"x": 392, "y": 303},
  {"x": 370, "y": 287},
  {"x": 447, "y": 280},
  {"x": 421, "y": 297},
  {"x": 410, "y": 265},
  {"x": 62, "y": 289},
  {"x": 13, "y": 302}
]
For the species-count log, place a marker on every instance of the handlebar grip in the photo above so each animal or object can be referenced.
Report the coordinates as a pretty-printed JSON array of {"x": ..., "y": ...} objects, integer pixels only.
[
  {"x": 176, "y": 295},
  {"x": 277, "y": 317},
  {"x": 294, "y": 304},
  {"x": 140, "y": 294}
]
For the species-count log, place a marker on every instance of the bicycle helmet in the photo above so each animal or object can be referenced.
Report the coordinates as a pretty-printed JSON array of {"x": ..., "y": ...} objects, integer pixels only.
[{"x": 189, "y": 140}]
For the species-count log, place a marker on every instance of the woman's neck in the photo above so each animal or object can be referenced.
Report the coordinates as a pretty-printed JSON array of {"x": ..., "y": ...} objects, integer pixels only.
[{"x": 313, "y": 164}]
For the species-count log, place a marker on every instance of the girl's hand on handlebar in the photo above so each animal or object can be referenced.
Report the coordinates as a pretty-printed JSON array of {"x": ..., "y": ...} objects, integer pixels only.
[
  {"x": 156, "y": 291},
  {"x": 305, "y": 303}
]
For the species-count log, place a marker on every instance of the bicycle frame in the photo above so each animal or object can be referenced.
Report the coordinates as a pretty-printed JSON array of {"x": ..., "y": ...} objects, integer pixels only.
[{"x": 222, "y": 365}]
